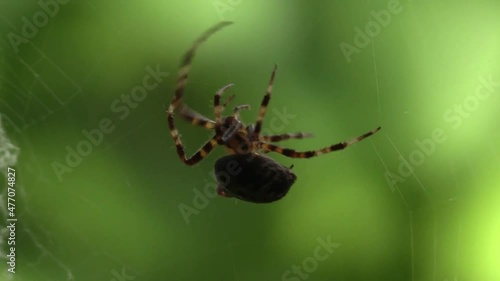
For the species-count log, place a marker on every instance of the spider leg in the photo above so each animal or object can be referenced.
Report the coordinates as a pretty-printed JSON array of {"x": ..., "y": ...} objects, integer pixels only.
[
  {"x": 198, "y": 155},
  {"x": 238, "y": 108},
  {"x": 185, "y": 66},
  {"x": 218, "y": 108},
  {"x": 312, "y": 153},
  {"x": 182, "y": 78},
  {"x": 196, "y": 118},
  {"x": 227, "y": 101},
  {"x": 276, "y": 138},
  {"x": 263, "y": 105}
]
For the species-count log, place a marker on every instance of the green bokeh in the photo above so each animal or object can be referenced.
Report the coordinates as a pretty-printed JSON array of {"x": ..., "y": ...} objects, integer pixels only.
[{"x": 119, "y": 208}]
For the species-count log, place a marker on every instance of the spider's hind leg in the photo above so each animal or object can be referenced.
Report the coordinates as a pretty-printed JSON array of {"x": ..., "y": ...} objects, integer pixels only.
[
  {"x": 282, "y": 137},
  {"x": 312, "y": 153}
]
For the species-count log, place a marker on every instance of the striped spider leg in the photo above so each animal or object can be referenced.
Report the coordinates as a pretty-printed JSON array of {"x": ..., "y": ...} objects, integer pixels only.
[
  {"x": 262, "y": 141},
  {"x": 182, "y": 79}
]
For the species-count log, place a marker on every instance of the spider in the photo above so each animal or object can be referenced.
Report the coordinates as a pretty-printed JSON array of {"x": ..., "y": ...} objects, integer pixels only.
[{"x": 245, "y": 173}]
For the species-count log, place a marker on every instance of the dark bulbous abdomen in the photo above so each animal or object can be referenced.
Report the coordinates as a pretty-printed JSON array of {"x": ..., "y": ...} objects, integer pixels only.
[{"x": 252, "y": 177}]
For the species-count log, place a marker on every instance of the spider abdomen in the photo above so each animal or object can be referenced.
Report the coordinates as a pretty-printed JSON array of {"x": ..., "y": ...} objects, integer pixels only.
[{"x": 253, "y": 178}]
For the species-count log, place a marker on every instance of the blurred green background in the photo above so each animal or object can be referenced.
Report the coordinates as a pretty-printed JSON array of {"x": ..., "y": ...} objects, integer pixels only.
[{"x": 425, "y": 71}]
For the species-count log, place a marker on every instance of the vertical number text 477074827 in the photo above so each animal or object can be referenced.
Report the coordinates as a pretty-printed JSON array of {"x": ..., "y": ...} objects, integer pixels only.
[{"x": 11, "y": 220}]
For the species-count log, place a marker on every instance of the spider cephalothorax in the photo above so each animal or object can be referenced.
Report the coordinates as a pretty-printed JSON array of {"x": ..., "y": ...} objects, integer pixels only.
[
  {"x": 228, "y": 128},
  {"x": 245, "y": 173}
]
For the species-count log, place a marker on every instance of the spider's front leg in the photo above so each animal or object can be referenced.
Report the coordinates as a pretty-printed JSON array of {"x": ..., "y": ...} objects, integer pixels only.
[
  {"x": 202, "y": 152},
  {"x": 187, "y": 59},
  {"x": 237, "y": 109},
  {"x": 182, "y": 78},
  {"x": 263, "y": 105},
  {"x": 195, "y": 118},
  {"x": 199, "y": 155},
  {"x": 218, "y": 108}
]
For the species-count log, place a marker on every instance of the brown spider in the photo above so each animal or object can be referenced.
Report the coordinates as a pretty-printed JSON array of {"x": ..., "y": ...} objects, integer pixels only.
[{"x": 244, "y": 173}]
